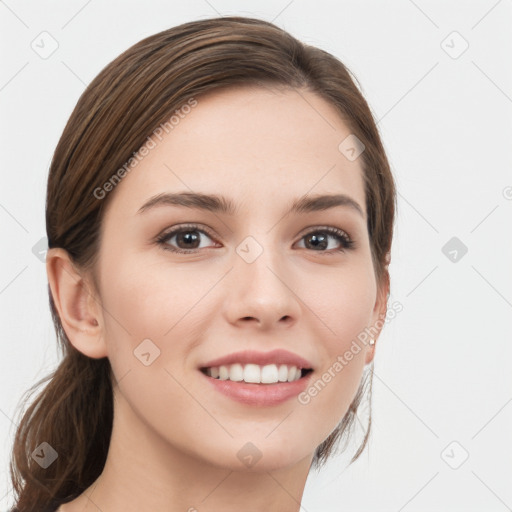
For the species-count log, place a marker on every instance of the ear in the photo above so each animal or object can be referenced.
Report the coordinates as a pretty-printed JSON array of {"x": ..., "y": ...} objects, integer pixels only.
[
  {"x": 78, "y": 307},
  {"x": 378, "y": 315}
]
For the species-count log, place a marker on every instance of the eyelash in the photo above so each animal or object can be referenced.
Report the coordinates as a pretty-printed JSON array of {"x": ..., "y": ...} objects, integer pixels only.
[{"x": 162, "y": 239}]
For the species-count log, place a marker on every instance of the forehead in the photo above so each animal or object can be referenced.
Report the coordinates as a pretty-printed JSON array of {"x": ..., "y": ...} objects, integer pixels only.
[{"x": 257, "y": 145}]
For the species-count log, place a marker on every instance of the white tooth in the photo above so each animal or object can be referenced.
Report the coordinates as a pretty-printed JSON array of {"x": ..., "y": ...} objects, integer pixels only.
[
  {"x": 236, "y": 372},
  {"x": 252, "y": 373},
  {"x": 223, "y": 373},
  {"x": 291, "y": 373},
  {"x": 283, "y": 373},
  {"x": 269, "y": 374},
  {"x": 208, "y": 372}
]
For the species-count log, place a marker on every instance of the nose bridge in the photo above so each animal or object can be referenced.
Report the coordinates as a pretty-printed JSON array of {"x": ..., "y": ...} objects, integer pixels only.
[{"x": 259, "y": 260}]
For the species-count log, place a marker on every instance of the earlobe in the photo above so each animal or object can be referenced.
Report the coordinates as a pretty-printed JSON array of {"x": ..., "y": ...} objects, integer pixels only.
[
  {"x": 79, "y": 310},
  {"x": 378, "y": 318},
  {"x": 370, "y": 351}
]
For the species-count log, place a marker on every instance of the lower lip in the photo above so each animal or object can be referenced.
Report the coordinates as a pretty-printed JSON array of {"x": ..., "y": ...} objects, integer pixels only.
[{"x": 262, "y": 395}]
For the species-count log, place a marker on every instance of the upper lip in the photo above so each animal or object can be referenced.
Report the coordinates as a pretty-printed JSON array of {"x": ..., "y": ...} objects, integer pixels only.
[{"x": 278, "y": 356}]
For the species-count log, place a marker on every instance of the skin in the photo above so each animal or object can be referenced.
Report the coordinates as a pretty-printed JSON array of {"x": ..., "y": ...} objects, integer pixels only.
[{"x": 175, "y": 439}]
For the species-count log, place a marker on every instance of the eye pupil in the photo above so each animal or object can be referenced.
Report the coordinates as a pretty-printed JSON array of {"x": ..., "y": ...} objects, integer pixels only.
[
  {"x": 318, "y": 241},
  {"x": 186, "y": 236}
]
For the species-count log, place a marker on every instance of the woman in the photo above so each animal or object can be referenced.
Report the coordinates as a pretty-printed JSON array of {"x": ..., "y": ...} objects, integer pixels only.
[{"x": 219, "y": 215}]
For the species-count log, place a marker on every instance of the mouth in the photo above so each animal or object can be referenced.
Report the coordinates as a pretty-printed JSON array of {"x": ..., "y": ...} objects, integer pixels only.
[
  {"x": 256, "y": 374},
  {"x": 257, "y": 378}
]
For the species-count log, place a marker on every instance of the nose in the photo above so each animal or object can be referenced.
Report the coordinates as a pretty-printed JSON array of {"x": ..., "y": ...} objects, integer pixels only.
[{"x": 261, "y": 293}]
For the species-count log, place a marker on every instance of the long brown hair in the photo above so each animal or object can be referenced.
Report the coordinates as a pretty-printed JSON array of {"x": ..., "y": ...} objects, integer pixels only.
[{"x": 120, "y": 108}]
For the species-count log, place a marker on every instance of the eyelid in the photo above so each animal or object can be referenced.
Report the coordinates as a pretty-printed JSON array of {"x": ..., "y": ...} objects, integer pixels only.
[
  {"x": 209, "y": 232},
  {"x": 173, "y": 230},
  {"x": 320, "y": 227}
]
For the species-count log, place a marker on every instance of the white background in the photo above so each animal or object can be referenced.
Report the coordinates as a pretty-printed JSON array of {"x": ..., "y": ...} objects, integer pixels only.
[{"x": 443, "y": 365}]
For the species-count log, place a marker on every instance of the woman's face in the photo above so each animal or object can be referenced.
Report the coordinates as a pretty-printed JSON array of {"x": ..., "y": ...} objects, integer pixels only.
[{"x": 255, "y": 280}]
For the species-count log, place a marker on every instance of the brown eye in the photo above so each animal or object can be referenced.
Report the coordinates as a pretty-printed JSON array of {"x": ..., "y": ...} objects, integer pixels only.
[
  {"x": 187, "y": 239},
  {"x": 318, "y": 240}
]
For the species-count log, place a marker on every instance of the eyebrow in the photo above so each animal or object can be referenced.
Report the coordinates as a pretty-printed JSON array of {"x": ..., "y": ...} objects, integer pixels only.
[{"x": 220, "y": 204}]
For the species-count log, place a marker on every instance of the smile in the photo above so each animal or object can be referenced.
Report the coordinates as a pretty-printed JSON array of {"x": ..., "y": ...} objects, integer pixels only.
[{"x": 256, "y": 374}]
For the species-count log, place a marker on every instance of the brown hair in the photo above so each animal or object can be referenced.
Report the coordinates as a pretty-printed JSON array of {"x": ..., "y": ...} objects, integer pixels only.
[{"x": 121, "y": 107}]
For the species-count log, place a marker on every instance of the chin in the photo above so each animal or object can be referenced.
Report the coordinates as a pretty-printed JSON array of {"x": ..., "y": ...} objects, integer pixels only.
[{"x": 258, "y": 455}]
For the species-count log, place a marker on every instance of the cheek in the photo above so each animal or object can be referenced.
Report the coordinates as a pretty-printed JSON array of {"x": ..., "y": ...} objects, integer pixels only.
[
  {"x": 147, "y": 299},
  {"x": 342, "y": 303},
  {"x": 144, "y": 300},
  {"x": 147, "y": 320},
  {"x": 344, "y": 308}
]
